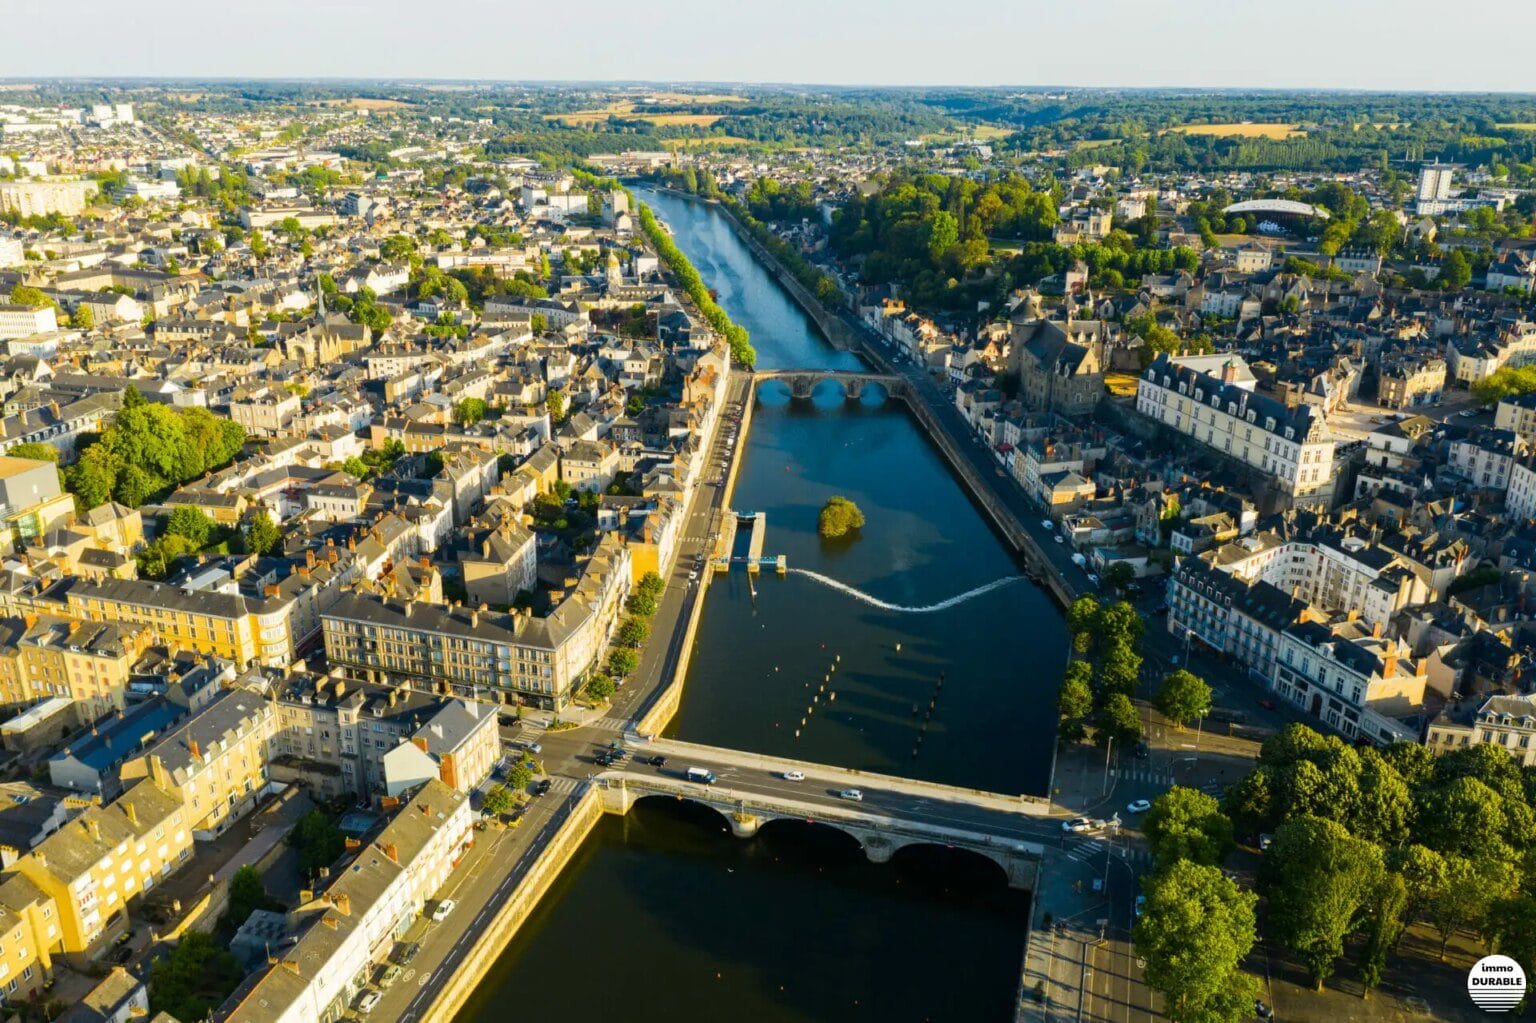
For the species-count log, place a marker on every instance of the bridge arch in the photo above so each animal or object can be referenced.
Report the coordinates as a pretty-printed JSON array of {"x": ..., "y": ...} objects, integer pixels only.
[
  {"x": 811, "y": 826},
  {"x": 993, "y": 864},
  {"x": 674, "y": 798}
]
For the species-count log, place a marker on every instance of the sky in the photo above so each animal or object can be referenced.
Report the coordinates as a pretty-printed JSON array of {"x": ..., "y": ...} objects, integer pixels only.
[{"x": 1412, "y": 45}]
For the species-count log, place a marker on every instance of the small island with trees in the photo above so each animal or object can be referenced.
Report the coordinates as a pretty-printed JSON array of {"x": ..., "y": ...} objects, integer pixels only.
[{"x": 839, "y": 517}]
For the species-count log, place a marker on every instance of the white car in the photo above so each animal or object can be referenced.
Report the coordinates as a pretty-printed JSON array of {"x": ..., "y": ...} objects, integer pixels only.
[
  {"x": 1059, "y": 538},
  {"x": 1047, "y": 524},
  {"x": 852, "y": 795},
  {"x": 1139, "y": 806},
  {"x": 793, "y": 775},
  {"x": 442, "y": 909},
  {"x": 366, "y": 1003},
  {"x": 1078, "y": 825}
]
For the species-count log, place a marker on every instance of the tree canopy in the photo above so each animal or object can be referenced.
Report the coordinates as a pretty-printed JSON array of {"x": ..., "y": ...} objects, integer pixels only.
[{"x": 839, "y": 517}]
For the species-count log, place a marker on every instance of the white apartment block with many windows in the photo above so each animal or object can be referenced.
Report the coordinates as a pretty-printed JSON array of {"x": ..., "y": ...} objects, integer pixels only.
[{"x": 1292, "y": 446}]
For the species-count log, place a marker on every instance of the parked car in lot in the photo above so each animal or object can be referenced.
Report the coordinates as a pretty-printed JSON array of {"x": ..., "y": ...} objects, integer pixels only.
[
  {"x": 404, "y": 954},
  {"x": 1139, "y": 806},
  {"x": 370, "y": 999}
]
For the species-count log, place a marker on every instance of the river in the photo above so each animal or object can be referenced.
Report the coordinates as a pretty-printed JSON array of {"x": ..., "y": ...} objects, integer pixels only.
[{"x": 663, "y": 915}]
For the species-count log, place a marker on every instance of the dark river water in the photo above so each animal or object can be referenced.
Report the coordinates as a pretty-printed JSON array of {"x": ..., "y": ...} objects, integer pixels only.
[{"x": 664, "y": 915}]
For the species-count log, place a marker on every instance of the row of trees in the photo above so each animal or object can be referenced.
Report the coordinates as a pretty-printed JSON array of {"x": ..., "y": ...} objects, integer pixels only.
[
  {"x": 149, "y": 449},
  {"x": 1102, "y": 674},
  {"x": 735, "y": 335},
  {"x": 624, "y": 658}
]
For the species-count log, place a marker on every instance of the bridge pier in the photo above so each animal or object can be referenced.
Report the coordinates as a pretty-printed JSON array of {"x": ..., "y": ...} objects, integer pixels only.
[
  {"x": 878, "y": 848},
  {"x": 745, "y": 825}
]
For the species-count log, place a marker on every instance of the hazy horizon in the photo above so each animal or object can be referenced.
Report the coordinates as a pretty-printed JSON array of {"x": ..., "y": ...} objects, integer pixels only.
[{"x": 1314, "y": 45}]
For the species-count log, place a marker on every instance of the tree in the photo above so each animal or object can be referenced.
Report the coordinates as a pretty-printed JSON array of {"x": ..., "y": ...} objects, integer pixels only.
[
  {"x": 1250, "y": 803},
  {"x": 519, "y": 775},
  {"x": 1511, "y": 928},
  {"x": 1119, "y": 575},
  {"x": 1074, "y": 701},
  {"x": 600, "y": 686},
  {"x": 1183, "y": 697},
  {"x": 554, "y": 402},
  {"x": 82, "y": 318},
  {"x": 498, "y": 800},
  {"x": 1470, "y": 888},
  {"x": 33, "y": 449},
  {"x": 1318, "y": 880},
  {"x": 261, "y": 536},
  {"x": 318, "y": 841},
  {"x": 1187, "y": 824},
  {"x": 32, "y": 298},
  {"x": 470, "y": 411},
  {"x": 1117, "y": 721},
  {"x": 1119, "y": 668},
  {"x": 1455, "y": 271},
  {"x": 246, "y": 895},
  {"x": 650, "y": 584},
  {"x": 259, "y": 247},
  {"x": 641, "y": 604},
  {"x": 190, "y": 523},
  {"x": 622, "y": 662},
  {"x": 1081, "y": 619},
  {"x": 538, "y": 323},
  {"x": 632, "y": 632},
  {"x": 1384, "y": 922},
  {"x": 194, "y": 979},
  {"x": 839, "y": 517},
  {"x": 1194, "y": 933}
]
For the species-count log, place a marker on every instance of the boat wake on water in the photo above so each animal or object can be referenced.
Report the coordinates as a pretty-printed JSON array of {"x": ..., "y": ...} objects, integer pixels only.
[{"x": 886, "y": 605}]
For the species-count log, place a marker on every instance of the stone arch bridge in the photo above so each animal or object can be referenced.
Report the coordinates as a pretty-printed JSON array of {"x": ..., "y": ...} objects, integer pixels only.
[
  {"x": 802, "y": 382},
  {"x": 881, "y": 831}
]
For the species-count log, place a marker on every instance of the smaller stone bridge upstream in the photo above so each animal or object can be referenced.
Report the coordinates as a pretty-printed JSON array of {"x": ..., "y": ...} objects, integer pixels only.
[
  {"x": 751, "y": 790},
  {"x": 802, "y": 382}
]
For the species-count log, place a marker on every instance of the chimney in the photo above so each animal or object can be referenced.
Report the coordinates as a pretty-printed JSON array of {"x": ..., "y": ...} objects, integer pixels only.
[
  {"x": 1376, "y": 630},
  {"x": 1388, "y": 665},
  {"x": 131, "y": 814},
  {"x": 309, "y": 558},
  {"x": 291, "y": 966},
  {"x": 392, "y": 851},
  {"x": 391, "y": 697},
  {"x": 197, "y": 751},
  {"x": 419, "y": 743},
  {"x": 408, "y": 605},
  {"x": 343, "y": 903},
  {"x": 93, "y": 828},
  {"x": 270, "y": 590}
]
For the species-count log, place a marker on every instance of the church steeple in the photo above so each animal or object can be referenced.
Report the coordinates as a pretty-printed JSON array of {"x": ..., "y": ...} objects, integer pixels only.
[{"x": 319, "y": 302}]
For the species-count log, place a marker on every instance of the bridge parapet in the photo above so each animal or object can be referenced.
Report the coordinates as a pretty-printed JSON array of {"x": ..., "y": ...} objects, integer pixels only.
[
  {"x": 802, "y": 382},
  {"x": 879, "y": 833}
]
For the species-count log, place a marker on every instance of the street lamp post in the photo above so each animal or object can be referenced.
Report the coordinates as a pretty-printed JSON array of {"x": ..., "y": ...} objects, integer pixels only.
[{"x": 1107, "y": 750}]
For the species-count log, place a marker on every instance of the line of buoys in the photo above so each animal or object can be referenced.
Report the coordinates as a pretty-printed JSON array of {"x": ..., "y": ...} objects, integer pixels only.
[
  {"x": 898, "y": 648},
  {"x": 832, "y": 695}
]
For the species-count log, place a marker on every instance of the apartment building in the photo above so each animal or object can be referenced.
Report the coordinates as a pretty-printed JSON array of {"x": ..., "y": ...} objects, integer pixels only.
[
  {"x": 1355, "y": 681},
  {"x": 1242, "y": 621},
  {"x": 18, "y": 321},
  {"x": 517, "y": 657},
  {"x": 504, "y": 564},
  {"x": 89, "y": 663},
  {"x": 40, "y": 197},
  {"x": 215, "y": 760},
  {"x": 346, "y": 931},
  {"x": 1517, "y": 414},
  {"x": 1411, "y": 380},
  {"x": 1291, "y": 446},
  {"x": 30, "y": 935},
  {"x": 459, "y": 746},
  {"x": 334, "y": 734},
  {"x": 97, "y": 864},
  {"x": 264, "y": 411},
  {"x": 227, "y": 626},
  {"x": 1504, "y": 720},
  {"x": 1485, "y": 459}
]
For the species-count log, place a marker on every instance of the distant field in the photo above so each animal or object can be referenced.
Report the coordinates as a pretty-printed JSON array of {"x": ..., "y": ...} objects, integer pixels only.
[
  {"x": 709, "y": 141},
  {"x": 361, "y": 103},
  {"x": 688, "y": 97},
  {"x": 624, "y": 108},
  {"x": 1094, "y": 143},
  {"x": 1245, "y": 130},
  {"x": 1519, "y": 126},
  {"x": 1383, "y": 125}
]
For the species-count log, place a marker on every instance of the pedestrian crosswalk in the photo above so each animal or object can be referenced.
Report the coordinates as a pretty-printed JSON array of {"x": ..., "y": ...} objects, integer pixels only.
[
  {"x": 561, "y": 785},
  {"x": 1146, "y": 775},
  {"x": 611, "y": 724},
  {"x": 1093, "y": 851}
]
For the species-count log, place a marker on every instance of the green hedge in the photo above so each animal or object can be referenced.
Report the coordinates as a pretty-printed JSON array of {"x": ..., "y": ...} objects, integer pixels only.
[{"x": 735, "y": 336}]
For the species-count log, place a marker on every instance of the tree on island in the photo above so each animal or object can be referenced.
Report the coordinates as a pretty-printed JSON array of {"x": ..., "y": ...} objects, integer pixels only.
[{"x": 839, "y": 517}]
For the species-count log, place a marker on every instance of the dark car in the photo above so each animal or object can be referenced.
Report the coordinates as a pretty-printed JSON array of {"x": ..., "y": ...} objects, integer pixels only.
[
  {"x": 658, "y": 761},
  {"x": 541, "y": 787},
  {"x": 1142, "y": 751},
  {"x": 406, "y": 953},
  {"x": 1267, "y": 703}
]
